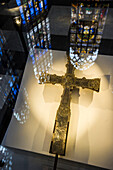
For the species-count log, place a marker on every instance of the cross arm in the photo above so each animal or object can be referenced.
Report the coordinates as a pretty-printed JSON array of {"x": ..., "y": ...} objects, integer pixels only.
[
  {"x": 45, "y": 78},
  {"x": 93, "y": 84}
]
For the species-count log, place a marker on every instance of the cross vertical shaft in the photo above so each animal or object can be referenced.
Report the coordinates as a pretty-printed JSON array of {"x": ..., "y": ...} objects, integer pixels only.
[{"x": 58, "y": 143}]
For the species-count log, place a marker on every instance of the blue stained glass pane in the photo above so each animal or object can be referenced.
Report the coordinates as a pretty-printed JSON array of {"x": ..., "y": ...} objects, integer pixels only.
[
  {"x": 32, "y": 11},
  {"x": 31, "y": 3},
  {"x": 5, "y": 94},
  {"x": 13, "y": 78},
  {"x": 18, "y": 2},
  {"x": 37, "y": 13},
  {"x": 12, "y": 88},
  {"x": 22, "y": 15},
  {"x": 2, "y": 41},
  {"x": 31, "y": 55},
  {"x": 1, "y": 53},
  {"x": 49, "y": 46},
  {"x": 46, "y": 7},
  {"x": 13, "y": 97},
  {"x": 33, "y": 62},
  {"x": 36, "y": 9},
  {"x": 11, "y": 84},
  {"x": 15, "y": 92},
  {"x": 17, "y": 86},
  {"x": 45, "y": 2},
  {"x": 80, "y": 29},
  {"x": 23, "y": 22},
  {"x": 40, "y": 7},
  {"x": 21, "y": 10},
  {"x": 92, "y": 29}
]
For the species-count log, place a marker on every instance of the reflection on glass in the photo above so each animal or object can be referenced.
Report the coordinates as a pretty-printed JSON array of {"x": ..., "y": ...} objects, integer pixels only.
[
  {"x": 2, "y": 41},
  {"x": 9, "y": 79},
  {"x": 13, "y": 83},
  {"x": 87, "y": 24},
  {"x": 39, "y": 35},
  {"x": 5, "y": 159},
  {"x": 22, "y": 113},
  {"x": 39, "y": 38},
  {"x": 42, "y": 61},
  {"x": 7, "y": 85}
]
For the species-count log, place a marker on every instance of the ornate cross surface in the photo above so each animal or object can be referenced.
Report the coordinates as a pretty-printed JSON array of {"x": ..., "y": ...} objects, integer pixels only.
[{"x": 68, "y": 81}]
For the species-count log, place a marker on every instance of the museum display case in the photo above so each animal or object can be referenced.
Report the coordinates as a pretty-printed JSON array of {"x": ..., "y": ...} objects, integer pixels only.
[{"x": 63, "y": 115}]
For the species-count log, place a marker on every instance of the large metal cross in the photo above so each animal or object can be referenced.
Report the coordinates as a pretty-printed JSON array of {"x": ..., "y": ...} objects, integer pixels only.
[{"x": 68, "y": 81}]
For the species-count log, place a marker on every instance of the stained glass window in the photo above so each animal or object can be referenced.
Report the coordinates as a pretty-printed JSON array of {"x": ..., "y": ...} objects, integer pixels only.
[
  {"x": 31, "y": 8},
  {"x": 87, "y": 24}
]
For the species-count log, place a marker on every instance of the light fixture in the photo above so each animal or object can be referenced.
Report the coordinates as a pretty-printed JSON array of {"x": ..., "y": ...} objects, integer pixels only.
[
  {"x": 17, "y": 20},
  {"x": 3, "y": 3}
]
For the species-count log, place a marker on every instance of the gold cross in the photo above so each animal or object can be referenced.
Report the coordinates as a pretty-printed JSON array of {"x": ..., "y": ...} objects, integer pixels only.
[{"x": 68, "y": 81}]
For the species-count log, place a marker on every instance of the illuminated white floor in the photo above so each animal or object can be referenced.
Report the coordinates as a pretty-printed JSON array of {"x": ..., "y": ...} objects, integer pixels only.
[{"x": 90, "y": 138}]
